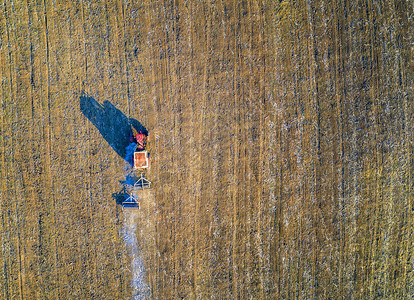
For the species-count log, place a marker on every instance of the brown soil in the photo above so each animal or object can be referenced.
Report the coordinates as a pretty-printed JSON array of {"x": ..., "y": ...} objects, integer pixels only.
[{"x": 281, "y": 148}]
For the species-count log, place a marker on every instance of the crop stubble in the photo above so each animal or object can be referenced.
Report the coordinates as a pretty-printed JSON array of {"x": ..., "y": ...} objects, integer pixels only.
[{"x": 281, "y": 146}]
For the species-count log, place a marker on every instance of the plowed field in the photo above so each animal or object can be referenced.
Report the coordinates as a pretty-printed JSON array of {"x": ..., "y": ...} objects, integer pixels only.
[{"x": 281, "y": 141}]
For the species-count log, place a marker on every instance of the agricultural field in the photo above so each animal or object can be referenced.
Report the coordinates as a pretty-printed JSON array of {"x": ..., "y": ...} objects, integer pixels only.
[{"x": 281, "y": 141}]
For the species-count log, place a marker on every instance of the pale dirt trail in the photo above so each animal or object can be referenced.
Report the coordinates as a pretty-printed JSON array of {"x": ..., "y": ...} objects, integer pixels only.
[{"x": 139, "y": 286}]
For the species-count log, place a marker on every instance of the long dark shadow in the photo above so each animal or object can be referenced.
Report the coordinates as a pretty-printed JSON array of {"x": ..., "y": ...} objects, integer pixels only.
[{"x": 113, "y": 125}]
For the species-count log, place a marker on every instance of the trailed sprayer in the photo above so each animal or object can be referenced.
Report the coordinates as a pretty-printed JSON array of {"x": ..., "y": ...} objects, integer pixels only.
[{"x": 141, "y": 162}]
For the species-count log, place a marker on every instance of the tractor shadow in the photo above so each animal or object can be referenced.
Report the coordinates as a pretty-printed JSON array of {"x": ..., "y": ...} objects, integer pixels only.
[
  {"x": 120, "y": 197},
  {"x": 112, "y": 124},
  {"x": 127, "y": 188}
]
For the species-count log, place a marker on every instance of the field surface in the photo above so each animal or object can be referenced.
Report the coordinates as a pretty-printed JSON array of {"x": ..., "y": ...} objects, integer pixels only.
[{"x": 281, "y": 140}]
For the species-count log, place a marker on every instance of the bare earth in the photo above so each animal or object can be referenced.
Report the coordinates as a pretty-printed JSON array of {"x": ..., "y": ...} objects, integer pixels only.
[{"x": 281, "y": 141}]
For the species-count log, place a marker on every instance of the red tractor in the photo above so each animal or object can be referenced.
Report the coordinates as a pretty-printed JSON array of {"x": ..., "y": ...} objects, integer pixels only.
[
  {"x": 141, "y": 155},
  {"x": 141, "y": 161}
]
